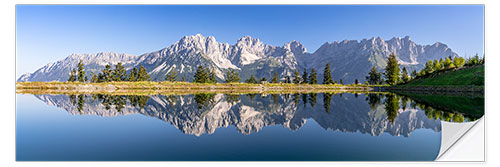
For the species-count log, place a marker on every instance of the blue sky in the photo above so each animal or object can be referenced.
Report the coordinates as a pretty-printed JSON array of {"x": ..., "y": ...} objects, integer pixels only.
[{"x": 47, "y": 33}]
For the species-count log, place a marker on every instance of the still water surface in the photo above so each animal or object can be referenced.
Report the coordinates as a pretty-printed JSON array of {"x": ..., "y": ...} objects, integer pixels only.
[{"x": 247, "y": 127}]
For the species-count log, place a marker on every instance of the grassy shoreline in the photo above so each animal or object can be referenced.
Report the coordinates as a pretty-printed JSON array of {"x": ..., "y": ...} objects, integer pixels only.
[{"x": 181, "y": 87}]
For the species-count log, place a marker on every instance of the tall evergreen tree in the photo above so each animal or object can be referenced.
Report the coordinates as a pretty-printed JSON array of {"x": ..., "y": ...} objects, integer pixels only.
[
  {"x": 119, "y": 73},
  {"x": 200, "y": 76},
  {"x": 275, "y": 77},
  {"x": 81, "y": 72},
  {"x": 413, "y": 74},
  {"x": 287, "y": 79},
  {"x": 327, "y": 75},
  {"x": 312, "y": 77},
  {"x": 296, "y": 77},
  {"x": 72, "y": 76},
  {"x": 305, "y": 78},
  {"x": 448, "y": 64},
  {"x": 93, "y": 78},
  {"x": 251, "y": 80},
  {"x": 374, "y": 76},
  {"x": 143, "y": 75},
  {"x": 211, "y": 76},
  {"x": 392, "y": 70},
  {"x": 404, "y": 75},
  {"x": 132, "y": 77},
  {"x": 341, "y": 82},
  {"x": 437, "y": 65},
  {"x": 171, "y": 75},
  {"x": 106, "y": 73},
  {"x": 356, "y": 81}
]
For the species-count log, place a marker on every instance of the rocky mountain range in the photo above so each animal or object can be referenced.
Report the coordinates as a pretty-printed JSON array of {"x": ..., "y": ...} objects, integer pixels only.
[
  {"x": 203, "y": 114},
  {"x": 350, "y": 59}
]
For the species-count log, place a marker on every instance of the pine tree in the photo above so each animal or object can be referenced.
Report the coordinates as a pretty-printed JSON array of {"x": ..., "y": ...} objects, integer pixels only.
[
  {"x": 263, "y": 79},
  {"x": 132, "y": 77},
  {"x": 171, "y": 75},
  {"x": 458, "y": 62},
  {"x": 341, "y": 82},
  {"x": 287, "y": 79},
  {"x": 251, "y": 80},
  {"x": 81, "y": 72},
  {"x": 305, "y": 77},
  {"x": 413, "y": 74},
  {"x": 356, "y": 81},
  {"x": 119, "y": 73},
  {"x": 93, "y": 78},
  {"x": 106, "y": 74},
  {"x": 327, "y": 75},
  {"x": 212, "y": 77},
  {"x": 404, "y": 75},
  {"x": 183, "y": 79},
  {"x": 275, "y": 77},
  {"x": 374, "y": 76},
  {"x": 72, "y": 76},
  {"x": 437, "y": 65},
  {"x": 392, "y": 70},
  {"x": 296, "y": 77},
  {"x": 448, "y": 64},
  {"x": 143, "y": 75},
  {"x": 312, "y": 77},
  {"x": 200, "y": 75}
]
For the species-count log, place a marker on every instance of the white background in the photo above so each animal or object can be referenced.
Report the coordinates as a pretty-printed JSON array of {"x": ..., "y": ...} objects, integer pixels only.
[{"x": 7, "y": 87}]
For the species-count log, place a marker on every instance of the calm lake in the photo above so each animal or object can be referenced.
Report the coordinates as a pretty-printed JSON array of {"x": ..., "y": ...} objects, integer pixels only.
[{"x": 245, "y": 127}]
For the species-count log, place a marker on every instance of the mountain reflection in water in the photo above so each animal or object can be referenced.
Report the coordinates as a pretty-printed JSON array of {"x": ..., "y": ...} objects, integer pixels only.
[{"x": 197, "y": 114}]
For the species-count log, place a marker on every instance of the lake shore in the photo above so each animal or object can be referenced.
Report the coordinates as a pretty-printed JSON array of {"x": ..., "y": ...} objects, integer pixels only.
[{"x": 180, "y": 88}]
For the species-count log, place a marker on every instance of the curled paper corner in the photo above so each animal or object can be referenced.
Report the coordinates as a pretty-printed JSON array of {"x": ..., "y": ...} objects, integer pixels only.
[{"x": 453, "y": 133}]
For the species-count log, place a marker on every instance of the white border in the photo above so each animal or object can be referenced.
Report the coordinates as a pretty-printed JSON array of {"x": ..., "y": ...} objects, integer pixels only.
[{"x": 7, "y": 68}]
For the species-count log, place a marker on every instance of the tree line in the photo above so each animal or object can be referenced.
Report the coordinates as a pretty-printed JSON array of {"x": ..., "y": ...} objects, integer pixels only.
[
  {"x": 394, "y": 74},
  {"x": 108, "y": 75}
]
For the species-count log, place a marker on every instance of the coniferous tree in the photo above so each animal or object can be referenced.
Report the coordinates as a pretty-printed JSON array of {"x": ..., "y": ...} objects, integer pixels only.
[
  {"x": 448, "y": 64},
  {"x": 81, "y": 72},
  {"x": 72, "y": 76},
  {"x": 275, "y": 77},
  {"x": 404, "y": 75},
  {"x": 212, "y": 77},
  {"x": 183, "y": 79},
  {"x": 341, "y": 82},
  {"x": 413, "y": 74},
  {"x": 437, "y": 65},
  {"x": 93, "y": 78},
  {"x": 296, "y": 77},
  {"x": 356, "y": 81},
  {"x": 392, "y": 70},
  {"x": 429, "y": 67},
  {"x": 312, "y": 77},
  {"x": 251, "y": 80},
  {"x": 287, "y": 79},
  {"x": 236, "y": 76},
  {"x": 262, "y": 79},
  {"x": 200, "y": 76},
  {"x": 132, "y": 77},
  {"x": 458, "y": 62},
  {"x": 171, "y": 75},
  {"x": 143, "y": 75},
  {"x": 119, "y": 73},
  {"x": 305, "y": 77},
  {"x": 374, "y": 76},
  {"x": 327, "y": 75},
  {"x": 106, "y": 74}
]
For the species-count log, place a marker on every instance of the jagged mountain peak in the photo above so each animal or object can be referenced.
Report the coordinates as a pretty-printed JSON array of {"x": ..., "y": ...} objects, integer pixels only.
[
  {"x": 350, "y": 59},
  {"x": 295, "y": 47}
]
